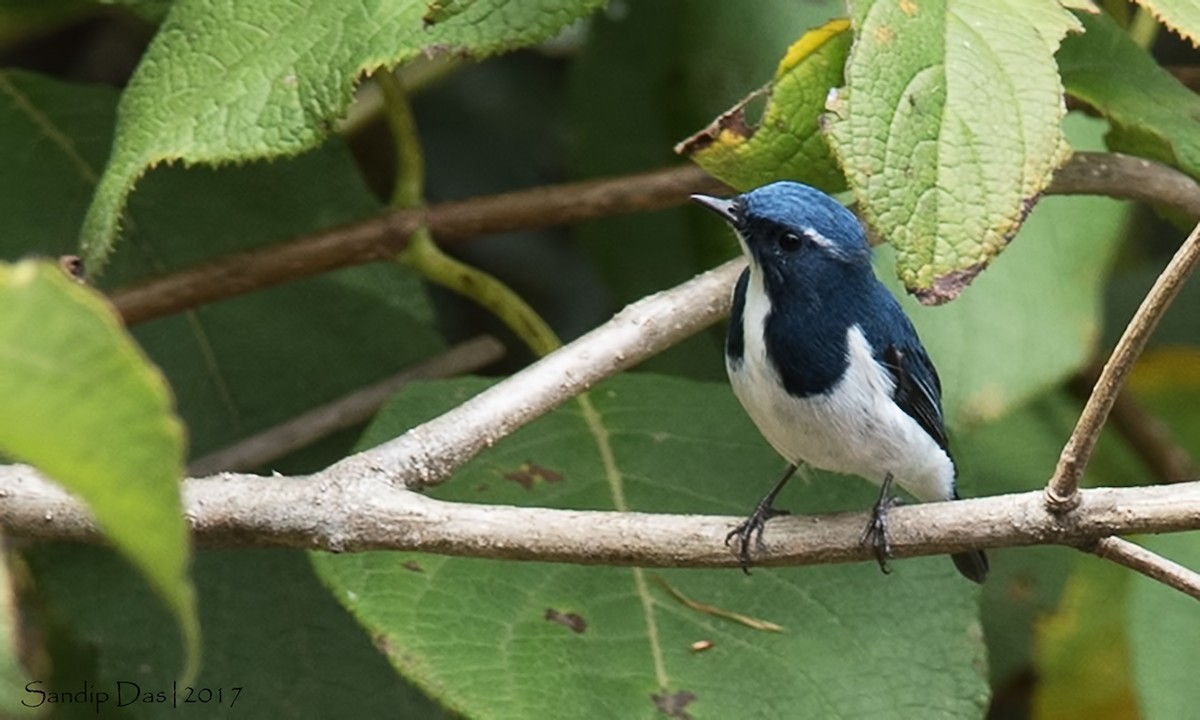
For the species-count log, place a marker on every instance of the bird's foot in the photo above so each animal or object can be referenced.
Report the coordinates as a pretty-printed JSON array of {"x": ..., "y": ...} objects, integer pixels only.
[
  {"x": 876, "y": 531},
  {"x": 752, "y": 527}
]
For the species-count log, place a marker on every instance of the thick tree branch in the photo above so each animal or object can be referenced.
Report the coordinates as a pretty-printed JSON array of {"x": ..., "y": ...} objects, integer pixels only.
[
  {"x": 330, "y": 511},
  {"x": 1061, "y": 492},
  {"x": 364, "y": 502},
  {"x": 381, "y": 237}
]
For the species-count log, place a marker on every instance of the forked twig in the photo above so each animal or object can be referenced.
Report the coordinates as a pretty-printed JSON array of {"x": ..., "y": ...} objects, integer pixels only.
[{"x": 1062, "y": 492}]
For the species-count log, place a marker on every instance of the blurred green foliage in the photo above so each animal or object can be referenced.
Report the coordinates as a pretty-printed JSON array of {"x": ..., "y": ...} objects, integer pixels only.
[{"x": 171, "y": 161}]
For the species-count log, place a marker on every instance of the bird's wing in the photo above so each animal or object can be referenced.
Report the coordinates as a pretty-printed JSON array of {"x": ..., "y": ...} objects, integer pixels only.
[{"x": 918, "y": 389}]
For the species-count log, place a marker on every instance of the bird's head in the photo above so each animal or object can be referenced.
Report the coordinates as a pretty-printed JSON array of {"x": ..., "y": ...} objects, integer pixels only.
[{"x": 791, "y": 231}]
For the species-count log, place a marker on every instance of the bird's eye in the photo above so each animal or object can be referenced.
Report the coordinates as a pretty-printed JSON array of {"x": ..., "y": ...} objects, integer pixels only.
[{"x": 790, "y": 242}]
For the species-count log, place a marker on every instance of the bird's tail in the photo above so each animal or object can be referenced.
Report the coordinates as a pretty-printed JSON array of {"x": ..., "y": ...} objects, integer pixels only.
[{"x": 973, "y": 565}]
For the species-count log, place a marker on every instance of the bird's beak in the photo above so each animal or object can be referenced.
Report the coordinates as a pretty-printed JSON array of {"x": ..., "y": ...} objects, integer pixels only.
[{"x": 721, "y": 206}]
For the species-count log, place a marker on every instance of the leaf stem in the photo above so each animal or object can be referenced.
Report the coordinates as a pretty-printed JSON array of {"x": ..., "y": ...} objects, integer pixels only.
[
  {"x": 1143, "y": 28},
  {"x": 424, "y": 255}
]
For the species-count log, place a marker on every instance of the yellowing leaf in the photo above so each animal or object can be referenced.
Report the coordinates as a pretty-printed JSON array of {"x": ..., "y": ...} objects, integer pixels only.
[
  {"x": 948, "y": 128},
  {"x": 787, "y": 143}
]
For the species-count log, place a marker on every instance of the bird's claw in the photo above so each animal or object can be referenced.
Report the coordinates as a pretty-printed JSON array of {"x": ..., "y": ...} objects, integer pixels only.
[
  {"x": 752, "y": 527},
  {"x": 876, "y": 533}
]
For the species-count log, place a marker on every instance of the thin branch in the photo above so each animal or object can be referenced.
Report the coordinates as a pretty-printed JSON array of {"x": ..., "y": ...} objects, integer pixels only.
[
  {"x": 1148, "y": 436},
  {"x": 345, "y": 412},
  {"x": 427, "y": 454},
  {"x": 380, "y": 238},
  {"x": 1063, "y": 486},
  {"x": 1152, "y": 565},
  {"x": 330, "y": 511},
  {"x": 1146, "y": 181}
]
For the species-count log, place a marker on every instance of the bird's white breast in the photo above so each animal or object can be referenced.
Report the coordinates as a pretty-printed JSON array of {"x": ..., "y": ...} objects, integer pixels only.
[{"x": 854, "y": 428}]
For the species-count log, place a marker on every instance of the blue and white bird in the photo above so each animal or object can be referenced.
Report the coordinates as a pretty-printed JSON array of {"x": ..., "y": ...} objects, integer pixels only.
[{"x": 825, "y": 361}]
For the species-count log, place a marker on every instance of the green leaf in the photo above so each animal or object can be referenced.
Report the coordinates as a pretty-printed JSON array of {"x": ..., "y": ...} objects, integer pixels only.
[
  {"x": 83, "y": 405},
  {"x": 442, "y": 10},
  {"x": 1182, "y": 16},
  {"x": 232, "y": 82},
  {"x": 338, "y": 332},
  {"x": 526, "y": 640},
  {"x": 223, "y": 360},
  {"x": 1044, "y": 294},
  {"x": 948, "y": 129},
  {"x": 54, "y": 138},
  {"x": 787, "y": 142},
  {"x": 1152, "y": 113},
  {"x": 1164, "y": 635},
  {"x": 270, "y": 629}
]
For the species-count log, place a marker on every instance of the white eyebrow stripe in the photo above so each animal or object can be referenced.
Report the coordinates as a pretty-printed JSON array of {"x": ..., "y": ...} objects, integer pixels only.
[{"x": 823, "y": 241}]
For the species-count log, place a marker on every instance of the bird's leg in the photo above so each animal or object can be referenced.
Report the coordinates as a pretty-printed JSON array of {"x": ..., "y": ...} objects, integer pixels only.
[
  {"x": 753, "y": 525},
  {"x": 876, "y": 531}
]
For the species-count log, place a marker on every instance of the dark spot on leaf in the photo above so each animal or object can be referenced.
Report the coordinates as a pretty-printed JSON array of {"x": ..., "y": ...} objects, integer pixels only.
[
  {"x": 445, "y": 50},
  {"x": 1026, "y": 208},
  {"x": 733, "y": 120},
  {"x": 383, "y": 644},
  {"x": 574, "y": 622},
  {"x": 949, "y": 286},
  {"x": 482, "y": 487},
  {"x": 530, "y": 473},
  {"x": 72, "y": 265},
  {"x": 413, "y": 566},
  {"x": 674, "y": 704}
]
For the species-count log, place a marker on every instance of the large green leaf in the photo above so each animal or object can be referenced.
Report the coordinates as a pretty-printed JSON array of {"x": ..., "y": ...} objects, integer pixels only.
[
  {"x": 1153, "y": 114},
  {"x": 1164, "y": 635},
  {"x": 949, "y": 128},
  {"x": 1044, "y": 295},
  {"x": 82, "y": 404},
  {"x": 495, "y": 639},
  {"x": 226, "y": 82}
]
